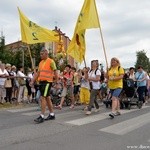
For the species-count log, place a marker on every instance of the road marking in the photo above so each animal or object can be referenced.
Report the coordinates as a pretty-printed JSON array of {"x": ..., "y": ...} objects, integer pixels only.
[
  {"x": 22, "y": 109},
  {"x": 87, "y": 119},
  {"x": 69, "y": 114},
  {"x": 58, "y": 115},
  {"x": 98, "y": 117},
  {"x": 32, "y": 113},
  {"x": 128, "y": 125},
  {"x": 149, "y": 140}
]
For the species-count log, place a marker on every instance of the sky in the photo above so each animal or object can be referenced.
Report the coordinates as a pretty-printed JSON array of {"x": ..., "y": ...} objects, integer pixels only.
[{"x": 125, "y": 25}]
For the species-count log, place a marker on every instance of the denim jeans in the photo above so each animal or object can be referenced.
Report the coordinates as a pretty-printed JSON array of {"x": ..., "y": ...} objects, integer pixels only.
[{"x": 141, "y": 92}]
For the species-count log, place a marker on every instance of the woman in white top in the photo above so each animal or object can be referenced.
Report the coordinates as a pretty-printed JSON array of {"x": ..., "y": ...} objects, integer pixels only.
[
  {"x": 3, "y": 75},
  {"x": 85, "y": 88},
  {"x": 21, "y": 81},
  {"x": 132, "y": 73},
  {"x": 94, "y": 79}
]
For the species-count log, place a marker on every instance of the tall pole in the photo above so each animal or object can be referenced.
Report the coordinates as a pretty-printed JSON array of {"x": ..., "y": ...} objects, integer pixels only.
[
  {"x": 23, "y": 46},
  {"x": 23, "y": 58},
  {"x": 103, "y": 47},
  {"x": 101, "y": 34},
  {"x": 84, "y": 61},
  {"x": 30, "y": 56}
]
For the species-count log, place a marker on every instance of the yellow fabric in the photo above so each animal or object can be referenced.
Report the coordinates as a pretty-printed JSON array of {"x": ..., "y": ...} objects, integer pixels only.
[
  {"x": 32, "y": 33},
  {"x": 87, "y": 19},
  {"x": 115, "y": 72},
  {"x": 84, "y": 95}
]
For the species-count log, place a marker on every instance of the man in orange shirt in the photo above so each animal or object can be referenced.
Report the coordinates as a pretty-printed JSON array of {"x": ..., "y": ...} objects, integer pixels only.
[{"x": 45, "y": 75}]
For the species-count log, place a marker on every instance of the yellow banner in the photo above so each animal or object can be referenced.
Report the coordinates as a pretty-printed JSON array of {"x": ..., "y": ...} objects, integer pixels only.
[
  {"x": 32, "y": 33},
  {"x": 88, "y": 18}
]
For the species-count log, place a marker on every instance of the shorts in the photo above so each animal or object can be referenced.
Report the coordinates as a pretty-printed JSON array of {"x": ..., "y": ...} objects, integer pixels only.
[
  {"x": 76, "y": 89},
  {"x": 44, "y": 88},
  {"x": 67, "y": 90},
  {"x": 115, "y": 92}
]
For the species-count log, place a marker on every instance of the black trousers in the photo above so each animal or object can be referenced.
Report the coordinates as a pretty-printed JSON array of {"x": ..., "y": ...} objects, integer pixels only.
[{"x": 8, "y": 94}]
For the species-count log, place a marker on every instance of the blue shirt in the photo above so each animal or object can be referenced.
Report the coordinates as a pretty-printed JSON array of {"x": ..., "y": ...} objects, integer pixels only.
[{"x": 140, "y": 76}]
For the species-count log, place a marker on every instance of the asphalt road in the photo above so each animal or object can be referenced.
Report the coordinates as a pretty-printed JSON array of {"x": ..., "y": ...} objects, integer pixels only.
[{"x": 73, "y": 130}]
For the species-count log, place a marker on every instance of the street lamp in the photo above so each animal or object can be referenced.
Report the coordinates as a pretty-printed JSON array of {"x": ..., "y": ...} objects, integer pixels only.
[
  {"x": 23, "y": 48},
  {"x": 23, "y": 58}
]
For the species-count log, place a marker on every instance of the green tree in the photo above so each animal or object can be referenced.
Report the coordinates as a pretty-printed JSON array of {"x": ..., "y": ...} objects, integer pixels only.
[
  {"x": 143, "y": 60},
  {"x": 15, "y": 57},
  {"x": 2, "y": 47},
  {"x": 35, "y": 52}
]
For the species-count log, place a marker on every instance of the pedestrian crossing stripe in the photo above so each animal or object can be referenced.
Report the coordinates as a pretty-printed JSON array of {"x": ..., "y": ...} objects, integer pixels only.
[
  {"x": 58, "y": 115},
  {"x": 31, "y": 111},
  {"x": 97, "y": 117},
  {"x": 22, "y": 109},
  {"x": 127, "y": 126}
]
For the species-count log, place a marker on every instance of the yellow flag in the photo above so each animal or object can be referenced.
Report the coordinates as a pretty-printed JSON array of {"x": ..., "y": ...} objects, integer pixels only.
[
  {"x": 76, "y": 48},
  {"x": 88, "y": 18},
  {"x": 32, "y": 33}
]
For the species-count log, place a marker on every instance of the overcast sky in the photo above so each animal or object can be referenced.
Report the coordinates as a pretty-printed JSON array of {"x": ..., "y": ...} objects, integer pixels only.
[{"x": 125, "y": 25}]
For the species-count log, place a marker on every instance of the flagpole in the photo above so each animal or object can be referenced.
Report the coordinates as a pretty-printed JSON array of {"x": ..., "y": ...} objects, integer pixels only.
[
  {"x": 103, "y": 47},
  {"x": 84, "y": 61},
  {"x": 30, "y": 56},
  {"x": 101, "y": 36}
]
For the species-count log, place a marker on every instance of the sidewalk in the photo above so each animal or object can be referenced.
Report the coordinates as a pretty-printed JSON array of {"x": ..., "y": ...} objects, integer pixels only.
[
  {"x": 21, "y": 105},
  {"x": 16, "y": 105}
]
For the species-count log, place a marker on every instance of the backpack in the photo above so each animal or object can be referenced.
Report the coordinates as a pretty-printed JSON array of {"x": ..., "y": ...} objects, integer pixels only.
[
  {"x": 118, "y": 68},
  {"x": 102, "y": 74},
  {"x": 94, "y": 72}
]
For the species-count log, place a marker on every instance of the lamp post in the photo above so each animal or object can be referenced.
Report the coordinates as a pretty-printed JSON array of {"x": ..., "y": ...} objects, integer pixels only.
[
  {"x": 22, "y": 49},
  {"x": 23, "y": 58}
]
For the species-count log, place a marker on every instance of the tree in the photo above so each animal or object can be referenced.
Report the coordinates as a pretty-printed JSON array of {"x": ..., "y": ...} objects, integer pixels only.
[
  {"x": 143, "y": 60},
  {"x": 35, "y": 52},
  {"x": 2, "y": 45}
]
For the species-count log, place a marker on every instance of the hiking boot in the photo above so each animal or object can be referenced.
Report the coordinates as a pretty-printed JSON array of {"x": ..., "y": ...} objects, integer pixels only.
[
  {"x": 40, "y": 119},
  {"x": 50, "y": 117},
  {"x": 112, "y": 115}
]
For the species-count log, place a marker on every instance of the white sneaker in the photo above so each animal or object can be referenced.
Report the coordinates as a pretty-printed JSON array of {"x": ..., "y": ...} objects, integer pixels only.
[
  {"x": 117, "y": 113},
  {"x": 88, "y": 112},
  {"x": 97, "y": 110}
]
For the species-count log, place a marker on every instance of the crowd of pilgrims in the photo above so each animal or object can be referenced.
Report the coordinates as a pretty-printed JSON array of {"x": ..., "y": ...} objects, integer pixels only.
[{"x": 75, "y": 83}]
